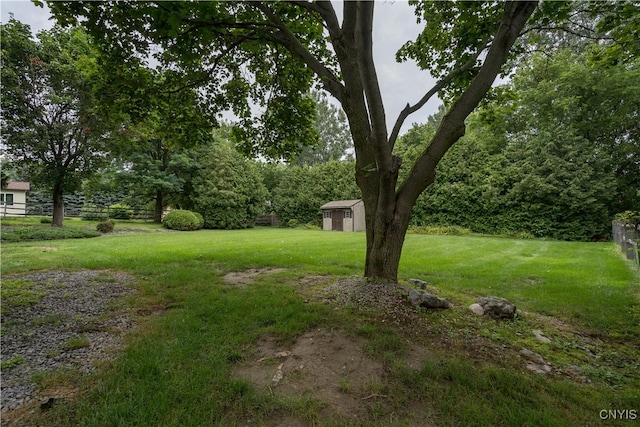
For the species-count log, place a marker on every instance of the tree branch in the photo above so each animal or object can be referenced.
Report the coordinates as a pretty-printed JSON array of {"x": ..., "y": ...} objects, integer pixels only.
[
  {"x": 408, "y": 110},
  {"x": 286, "y": 38},
  {"x": 452, "y": 127},
  {"x": 369, "y": 78}
]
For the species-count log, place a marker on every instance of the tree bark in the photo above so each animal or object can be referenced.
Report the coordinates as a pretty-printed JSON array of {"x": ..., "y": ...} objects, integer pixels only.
[
  {"x": 58, "y": 206},
  {"x": 159, "y": 207}
]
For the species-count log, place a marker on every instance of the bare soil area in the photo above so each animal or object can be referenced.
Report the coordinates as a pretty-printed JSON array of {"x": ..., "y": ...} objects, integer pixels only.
[{"x": 326, "y": 366}]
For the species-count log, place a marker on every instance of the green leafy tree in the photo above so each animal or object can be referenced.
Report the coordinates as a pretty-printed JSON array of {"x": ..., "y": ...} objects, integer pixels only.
[
  {"x": 597, "y": 103},
  {"x": 557, "y": 188},
  {"x": 556, "y": 155},
  {"x": 271, "y": 52},
  {"x": 301, "y": 190},
  {"x": 50, "y": 124},
  {"x": 227, "y": 189},
  {"x": 334, "y": 137},
  {"x": 162, "y": 121}
]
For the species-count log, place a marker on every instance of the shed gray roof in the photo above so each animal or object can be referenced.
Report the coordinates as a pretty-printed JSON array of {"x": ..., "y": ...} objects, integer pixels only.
[{"x": 340, "y": 204}]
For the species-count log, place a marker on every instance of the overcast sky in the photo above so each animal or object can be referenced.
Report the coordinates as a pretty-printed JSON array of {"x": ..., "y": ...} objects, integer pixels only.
[{"x": 394, "y": 24}]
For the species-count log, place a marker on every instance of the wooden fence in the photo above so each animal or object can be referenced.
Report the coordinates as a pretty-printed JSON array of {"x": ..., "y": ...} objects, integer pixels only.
[
  {"x": 627, "y": 237},
  {"x": 87, "y": 212}
]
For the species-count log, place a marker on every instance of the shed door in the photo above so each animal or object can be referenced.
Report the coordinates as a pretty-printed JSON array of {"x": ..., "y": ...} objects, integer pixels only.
[{"x": 336, "y": 220}]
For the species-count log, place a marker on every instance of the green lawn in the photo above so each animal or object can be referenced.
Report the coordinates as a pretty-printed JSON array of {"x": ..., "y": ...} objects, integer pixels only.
[{"x": 177, "y": 368}]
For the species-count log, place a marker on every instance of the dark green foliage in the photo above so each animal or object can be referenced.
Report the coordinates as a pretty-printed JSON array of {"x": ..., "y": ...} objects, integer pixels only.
[
  {"x": 556, "y": 154},
  {"x": 200, "y": 219},
  {"x": 50, "y": 125},
  {"x": 105, "y": 226},
  {"x": 91, "y": 212},
  {"x": 333, "y": 129},
  {"x": 228, "y": 189},
  {"x": 299, "y": 191},
  {"x": 17, "y": 234},
  {"x": 45, "y": 220},
  {"x": 544, "y": 185},
  {"x": 254, "y": 71},
  {"x": 182, "y": 220},
  {"x": 120, "y": 211}
]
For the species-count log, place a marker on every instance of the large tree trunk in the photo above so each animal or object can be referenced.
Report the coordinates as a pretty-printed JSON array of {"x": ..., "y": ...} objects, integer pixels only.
[
  {"x": 384, "y": 247},
  {"x": 387, "y": 204},
  {"x": 58, "y": 206},
  {"x": 157, "y": 214}
]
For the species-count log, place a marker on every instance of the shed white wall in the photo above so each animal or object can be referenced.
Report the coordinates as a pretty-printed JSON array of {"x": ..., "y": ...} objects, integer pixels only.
[
  {"x": 326, "y": 222},
  {"x": 19, "y": 206}
]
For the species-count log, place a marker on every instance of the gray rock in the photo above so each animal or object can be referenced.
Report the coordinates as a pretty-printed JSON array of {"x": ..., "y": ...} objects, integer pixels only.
[
  {"x": 419, "y": 283},
  {"x": 539, "y": 368},
  {"x": 497, "y": 308},
  {"x": 477, "y": 309},
  {"x": 427, "y": 300},
  {"x": 535, "y": 362},
  {"x": 540, "y": 337},
  {"x": 532, "y": 356}
]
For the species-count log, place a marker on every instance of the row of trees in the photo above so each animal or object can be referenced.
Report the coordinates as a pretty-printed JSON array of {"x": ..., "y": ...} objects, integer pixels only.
[
  {"x": 264, "y": 57},
  {"x": 556, "y": 154}
]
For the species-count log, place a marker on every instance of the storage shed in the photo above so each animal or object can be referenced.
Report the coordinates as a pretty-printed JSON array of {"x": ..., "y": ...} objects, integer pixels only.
[
  {"x": 343, "y": 215},
  {"x": 13, "y": 199}
]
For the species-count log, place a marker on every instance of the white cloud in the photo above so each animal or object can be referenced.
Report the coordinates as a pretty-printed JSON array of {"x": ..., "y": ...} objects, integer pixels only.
[{"x": 28, "y": 13}]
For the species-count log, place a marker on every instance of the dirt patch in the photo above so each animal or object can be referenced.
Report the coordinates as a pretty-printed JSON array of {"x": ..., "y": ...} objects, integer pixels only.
[
  {"x": 327, "y": 366},
  {"x": 244, "y": 278},
  {"x": 45, "y": 248}
]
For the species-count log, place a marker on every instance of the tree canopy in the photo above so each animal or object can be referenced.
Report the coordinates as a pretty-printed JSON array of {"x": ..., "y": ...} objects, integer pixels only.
[{"x": 50, "y": 123}]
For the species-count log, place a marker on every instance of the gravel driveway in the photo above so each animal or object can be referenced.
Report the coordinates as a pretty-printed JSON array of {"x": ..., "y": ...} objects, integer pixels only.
[{"x": 77, "y": 321}]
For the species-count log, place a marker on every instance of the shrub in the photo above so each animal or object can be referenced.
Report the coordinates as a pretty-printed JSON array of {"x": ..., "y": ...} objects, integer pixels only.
[
  {"x": 182, "y": 220},
  {"x": 200, "y": 219},
  {"x": 91, "y": 212},
  {"x": 105, "y": 226},
  {"x": 228, "y": 190},
  {"x": 46, "y": 220},
  {"x": 293, "y": 223},
  {"x": 120, "y": 211},
  {"x": 19, "y": 234}
]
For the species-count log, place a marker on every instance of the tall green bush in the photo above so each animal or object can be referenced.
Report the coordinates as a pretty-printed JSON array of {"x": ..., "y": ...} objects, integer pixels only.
[{"x": 228, "y": 189}]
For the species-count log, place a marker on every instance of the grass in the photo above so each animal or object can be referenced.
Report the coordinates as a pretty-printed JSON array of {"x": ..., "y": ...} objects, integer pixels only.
[
  {"x": 76, "y": 343},
  {"x": 11, "y": 362},
  {"x": 32, "y": 228},
  {"x": 177, "y": 369},
  {"x": 19, "y": 293}
]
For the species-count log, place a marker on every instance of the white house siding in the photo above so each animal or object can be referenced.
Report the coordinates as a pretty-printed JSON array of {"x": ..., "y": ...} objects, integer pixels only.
[
  {"x": 17, "y": 205},
  {"x": 13, "y": 200}
]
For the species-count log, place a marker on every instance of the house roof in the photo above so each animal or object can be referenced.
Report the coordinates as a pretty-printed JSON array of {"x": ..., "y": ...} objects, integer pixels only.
[
  {"x": 18, "y": 185},
  {"x": 340, "y": 204}
]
